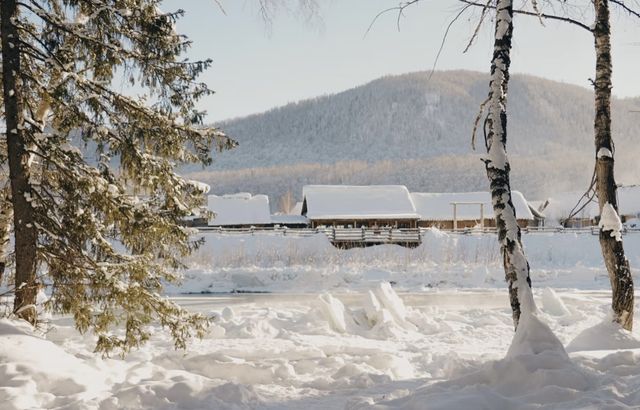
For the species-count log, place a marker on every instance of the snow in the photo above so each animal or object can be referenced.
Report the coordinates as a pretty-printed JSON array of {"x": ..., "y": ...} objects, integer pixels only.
[
  {"x": 279, "y": 219},
  {"x": 604, "y": 153},
  {"x": 268, "y": 261},
  {"x": 200, "y": 186},
  {"x": 610, "y": 222},
  {"x": 336, "y": 334},
  {"x": 438, "y": 206},
  {"x": 350, "y": 202},
  {"x": 552, "y": 304},
  {"x": 291, "y": 352},
  {"x": 239, "y": 209}
]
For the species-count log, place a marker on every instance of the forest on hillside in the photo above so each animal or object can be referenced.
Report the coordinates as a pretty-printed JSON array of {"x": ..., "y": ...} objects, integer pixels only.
[{"x": 416, "y": 131}]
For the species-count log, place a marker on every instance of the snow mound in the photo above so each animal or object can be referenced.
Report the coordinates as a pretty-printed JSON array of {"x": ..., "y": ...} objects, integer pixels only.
[
  {"x": 536, "y": 372},
  {"x": 36, "y": 373},
  {"x": 552, "y": 304},
  {"x": 534, "y": 337},
  {"x": 528, "y": 381},
  {"x": 334, "y": 311},
  {"x": 383, "y": 314},
  {"x": 606, "y": 335}
]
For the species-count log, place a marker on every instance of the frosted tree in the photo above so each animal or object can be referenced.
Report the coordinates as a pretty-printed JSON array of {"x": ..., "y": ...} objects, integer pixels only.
[
  {"x": 605, "y": 187},
  {"x": 615, "y": 260},
  {"x": 497, "y": 166},
  {"x": 102, "y": 230}
]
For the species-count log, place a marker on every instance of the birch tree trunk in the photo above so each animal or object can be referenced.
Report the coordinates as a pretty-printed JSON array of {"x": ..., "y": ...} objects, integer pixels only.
[
  {"x": 610, "y": 225},
  {"x": 23, "y": 215},
  {"x": 497, "y": 165}
]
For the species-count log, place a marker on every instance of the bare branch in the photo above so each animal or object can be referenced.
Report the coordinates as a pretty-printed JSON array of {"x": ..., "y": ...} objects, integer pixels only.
[
  {"x": 543, "y": 15},
  {"x": 626, "y": 8},
  {"x": 444, "y": 39},
  {"x": 480, "y": 21},
  {"x": 399, "y": 8}
]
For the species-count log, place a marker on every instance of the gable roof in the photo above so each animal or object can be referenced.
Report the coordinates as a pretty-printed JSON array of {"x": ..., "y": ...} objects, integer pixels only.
[
  {"x": 348, "y": 202},
  {"x": 239, "y": 209},
  {"x": 437, "y": 206}
]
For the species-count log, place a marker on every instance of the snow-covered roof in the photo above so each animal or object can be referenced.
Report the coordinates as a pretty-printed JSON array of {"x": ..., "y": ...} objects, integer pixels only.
[
  {"x": 437, "y": 206},
  {"x": 239, "y": 209},
  {"x": 284, "y": 219},
  {"x": 358, "y": 202},
  {"x": 560, "y": 205}
]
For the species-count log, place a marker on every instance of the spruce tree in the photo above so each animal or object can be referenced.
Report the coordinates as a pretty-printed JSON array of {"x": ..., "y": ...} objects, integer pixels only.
[{"x": 102, "y": 229}]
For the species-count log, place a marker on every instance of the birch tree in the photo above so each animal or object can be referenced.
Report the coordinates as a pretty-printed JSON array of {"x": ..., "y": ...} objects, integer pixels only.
[
  {"x": 610, "y": 225},
  {"x": 497, "y": 166},
  {"x": 79, "y": 228},
  {"x": 604, "y": 182},
  {"x": 496, "y": 162}
]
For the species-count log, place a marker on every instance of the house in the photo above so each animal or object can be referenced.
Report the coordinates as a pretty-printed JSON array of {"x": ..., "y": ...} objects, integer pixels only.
[
  {"x": 352, "y": 206},
  {"x": 239, "y": 210},
  {"x": 465, "y": 209},
  {"x": 562, "y": 210}
]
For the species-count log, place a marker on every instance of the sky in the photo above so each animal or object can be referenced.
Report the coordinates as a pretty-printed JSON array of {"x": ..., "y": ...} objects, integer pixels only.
[{"x": 260, "y": 65}]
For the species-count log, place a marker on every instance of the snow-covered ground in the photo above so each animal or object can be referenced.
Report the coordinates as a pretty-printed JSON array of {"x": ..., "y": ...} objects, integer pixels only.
[
  {"x": 336, "y": 335},
  {"x": 275, "y": 263}
]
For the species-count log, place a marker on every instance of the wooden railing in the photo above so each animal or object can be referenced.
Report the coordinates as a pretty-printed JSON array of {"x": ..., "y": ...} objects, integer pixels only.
[
  {"x": 374, "y": 236},
  {"x": 362, "y": 235},
  {"x": 390, "y": 235}
]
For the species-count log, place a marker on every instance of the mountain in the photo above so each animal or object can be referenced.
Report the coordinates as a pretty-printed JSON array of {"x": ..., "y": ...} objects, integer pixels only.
[{"x": 415, "y": 130}]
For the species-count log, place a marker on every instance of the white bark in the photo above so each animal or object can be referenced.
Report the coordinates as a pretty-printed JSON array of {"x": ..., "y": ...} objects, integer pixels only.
[{"x": 497, "y": 166}]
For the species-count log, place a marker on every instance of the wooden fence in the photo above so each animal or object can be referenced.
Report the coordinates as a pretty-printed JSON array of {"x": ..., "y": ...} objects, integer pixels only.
[{"x": 389, "y": 235}]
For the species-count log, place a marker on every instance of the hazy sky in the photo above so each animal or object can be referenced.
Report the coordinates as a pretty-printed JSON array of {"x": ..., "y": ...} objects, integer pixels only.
[{"x": 258, "y": 66}]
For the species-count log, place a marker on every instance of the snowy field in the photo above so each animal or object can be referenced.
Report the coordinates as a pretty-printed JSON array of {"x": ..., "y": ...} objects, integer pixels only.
[
  {"x": 275, "y": 263},
  {"x": 335, "y": 335}
]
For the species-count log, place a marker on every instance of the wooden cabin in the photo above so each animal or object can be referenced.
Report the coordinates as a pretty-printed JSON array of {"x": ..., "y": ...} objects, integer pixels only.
[
  {"x": 464, "y": 210},
  {"x": 362, "y": 215},
  {"x": 349, "y": 206}
]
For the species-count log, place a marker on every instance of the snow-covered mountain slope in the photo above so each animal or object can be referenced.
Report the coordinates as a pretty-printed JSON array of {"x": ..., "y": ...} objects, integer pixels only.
[{"x": 416, "y": 131}]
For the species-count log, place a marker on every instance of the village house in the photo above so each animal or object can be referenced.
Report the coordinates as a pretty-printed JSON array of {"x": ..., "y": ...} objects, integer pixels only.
[
  {"x": 239, "y": 210},
  {"x": 561, "y": 209},
  {"x": 461, "y": 210},
  {"x": 351, "y": 206}
]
